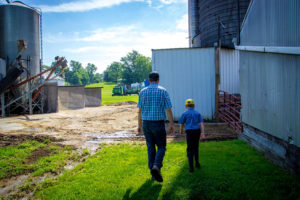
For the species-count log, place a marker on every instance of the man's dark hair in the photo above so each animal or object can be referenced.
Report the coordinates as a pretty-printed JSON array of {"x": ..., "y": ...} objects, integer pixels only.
[{"x": 154, "y": 76}]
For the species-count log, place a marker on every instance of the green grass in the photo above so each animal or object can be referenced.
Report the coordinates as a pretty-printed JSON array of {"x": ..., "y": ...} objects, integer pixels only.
[
  {"x": 12, "y": 159},
  {"x": 15, "y": 160},
  {"x": 230, "y": 170},
  {"x": 107, "y": 97}
]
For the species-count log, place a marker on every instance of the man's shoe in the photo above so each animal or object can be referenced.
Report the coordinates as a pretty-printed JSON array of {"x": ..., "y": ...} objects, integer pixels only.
[
  {"x": 155, "y": 171},
  {"x": 198, "y": 165}
]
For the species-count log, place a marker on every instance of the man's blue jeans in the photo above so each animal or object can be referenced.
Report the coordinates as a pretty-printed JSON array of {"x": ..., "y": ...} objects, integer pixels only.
[{"x": 155, "y": 134}]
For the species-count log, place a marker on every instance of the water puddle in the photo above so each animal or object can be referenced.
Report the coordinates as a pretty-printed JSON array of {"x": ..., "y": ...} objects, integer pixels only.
[
  {"x": 94, "y": 140},
  {"x": 119, "y": 134}
]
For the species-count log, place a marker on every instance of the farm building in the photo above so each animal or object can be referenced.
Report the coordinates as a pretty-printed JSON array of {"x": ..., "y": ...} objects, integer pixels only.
[
  {"x": 191, "y": 73},
  {"x": 270, "y": 74}
]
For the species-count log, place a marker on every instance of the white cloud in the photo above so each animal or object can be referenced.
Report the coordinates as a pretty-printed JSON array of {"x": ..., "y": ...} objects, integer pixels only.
[
  {"x": 104, "y": 46},
  {"x": 158, "y": 4},
  {"x": 81, "y": 6},
  {"x": 173, "y": 1},
  {"x": 182, "y": 24}
]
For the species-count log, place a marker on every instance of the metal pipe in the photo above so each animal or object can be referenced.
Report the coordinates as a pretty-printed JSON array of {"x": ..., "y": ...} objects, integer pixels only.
[
  {"x": 25, "y": 81},
  {"x": 3, "y": 105},
  {"x": 29, "y": 86},
  {"x": 239, "y": 21},
  {"x": 283, "y": 50}
]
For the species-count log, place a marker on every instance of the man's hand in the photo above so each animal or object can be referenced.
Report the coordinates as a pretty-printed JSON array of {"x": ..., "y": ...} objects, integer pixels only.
[
  {"x": 170, "y": 117},
  {"x": 139, "y": 130},
  {"x": 202, "y": 136},
  {"x": 171, "y": 129},
  {"x": 139, "y": 121}
]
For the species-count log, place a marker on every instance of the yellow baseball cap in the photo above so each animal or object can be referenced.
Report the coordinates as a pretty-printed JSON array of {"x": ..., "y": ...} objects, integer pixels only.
[{"x": 189, "y": 102}]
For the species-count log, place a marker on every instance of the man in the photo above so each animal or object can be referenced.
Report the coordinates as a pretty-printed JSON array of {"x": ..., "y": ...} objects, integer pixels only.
[{"x": 154, "y": 103}]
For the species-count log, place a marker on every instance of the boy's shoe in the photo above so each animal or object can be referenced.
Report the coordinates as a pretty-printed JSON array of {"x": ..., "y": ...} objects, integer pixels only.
[
  {"x": 198, "y": 165},
  {"x": 155, "y": 171},
  {"x": 191, "y": 170}
]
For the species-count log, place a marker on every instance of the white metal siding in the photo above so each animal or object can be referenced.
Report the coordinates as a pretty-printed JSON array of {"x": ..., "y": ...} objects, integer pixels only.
[
  {"x": 270, "y": 90},
  {"x": 229, "y": 71},
  {"x": 187, "y": 73}
]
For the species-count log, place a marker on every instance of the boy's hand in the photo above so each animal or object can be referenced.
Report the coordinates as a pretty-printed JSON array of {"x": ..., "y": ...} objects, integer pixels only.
[{"x": 202, "y": 136}]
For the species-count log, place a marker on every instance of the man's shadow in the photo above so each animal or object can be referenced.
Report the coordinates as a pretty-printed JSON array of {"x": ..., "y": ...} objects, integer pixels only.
[{"x": 148, "y": 190}]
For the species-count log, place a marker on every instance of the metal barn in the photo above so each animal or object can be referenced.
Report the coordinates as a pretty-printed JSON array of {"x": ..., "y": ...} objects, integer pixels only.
[
  {"x": 270, "y": 74},
  {"x": 191, "y": 73}
]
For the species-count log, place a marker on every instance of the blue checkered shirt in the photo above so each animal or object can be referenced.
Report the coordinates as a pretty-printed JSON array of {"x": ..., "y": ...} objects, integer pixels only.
[{"x": 153, "y": 101}]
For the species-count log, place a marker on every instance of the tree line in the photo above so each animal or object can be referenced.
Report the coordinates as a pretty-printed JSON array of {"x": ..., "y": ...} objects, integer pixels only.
[
  {"x": 132, "y": 68},
  {"x": 76, "y": 74}
]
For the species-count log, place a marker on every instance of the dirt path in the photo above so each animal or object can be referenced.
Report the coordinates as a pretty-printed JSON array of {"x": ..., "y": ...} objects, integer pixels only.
[
  {"x": 73, "y": 127},
  {"x": 88, "y": 127}
]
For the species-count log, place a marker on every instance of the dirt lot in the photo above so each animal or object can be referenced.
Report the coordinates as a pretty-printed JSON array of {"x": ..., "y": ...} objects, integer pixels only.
[{"x": 88, "y": 127}]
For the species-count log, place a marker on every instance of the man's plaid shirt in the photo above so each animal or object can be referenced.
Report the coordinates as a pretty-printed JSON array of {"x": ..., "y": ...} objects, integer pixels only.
[{"x": 153, "y": 101}]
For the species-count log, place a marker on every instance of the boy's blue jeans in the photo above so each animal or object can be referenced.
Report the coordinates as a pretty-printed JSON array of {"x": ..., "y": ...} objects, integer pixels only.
[{"x": 155, "y": 134}]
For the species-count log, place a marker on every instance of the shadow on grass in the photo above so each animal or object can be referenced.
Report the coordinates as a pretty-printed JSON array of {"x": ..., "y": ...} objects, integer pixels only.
[
  {"x": 149, "y": 190},
  {"x": 236, "y": 174},
  {"x": 186, "y": 185}
]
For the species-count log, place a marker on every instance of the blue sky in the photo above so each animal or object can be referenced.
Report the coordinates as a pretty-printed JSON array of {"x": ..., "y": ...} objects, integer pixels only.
[{"x": 103, "y": 31}]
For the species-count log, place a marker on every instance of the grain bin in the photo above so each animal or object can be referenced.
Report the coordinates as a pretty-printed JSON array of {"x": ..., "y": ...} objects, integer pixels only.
[
  {"x": 218, "y": 19},
  {"x": 20, "y": 22}
]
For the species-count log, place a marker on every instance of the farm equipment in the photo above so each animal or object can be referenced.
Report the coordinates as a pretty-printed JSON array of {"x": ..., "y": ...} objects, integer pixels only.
[
  {"x": 121, "y": 90},
  {"x": 132, "y": 91},
  {"x": 118, "y": 91}
]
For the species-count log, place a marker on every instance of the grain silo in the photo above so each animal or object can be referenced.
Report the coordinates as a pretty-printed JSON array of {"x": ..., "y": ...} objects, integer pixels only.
[
  {"x": 211, "y": 21},
  {"x": 19, "y": 24}
]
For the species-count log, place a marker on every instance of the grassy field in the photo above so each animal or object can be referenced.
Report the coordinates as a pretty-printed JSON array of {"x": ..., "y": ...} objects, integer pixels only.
[
  {"x": 23, "y": 158},
  {"x": 230, "y": 170},
  {"x": 34, "y": 159},
  {"x": 107, "y": 97}
]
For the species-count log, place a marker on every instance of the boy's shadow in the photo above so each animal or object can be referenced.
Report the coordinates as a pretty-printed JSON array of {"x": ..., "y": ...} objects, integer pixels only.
[{"x": 148, "y": 190}]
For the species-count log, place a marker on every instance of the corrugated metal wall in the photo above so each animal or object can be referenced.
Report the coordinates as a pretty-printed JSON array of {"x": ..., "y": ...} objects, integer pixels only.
[
  {"x": 187, "y": 73},
  {"x": 229, "y": 71},
  {"x": 272, "y": 23},
  {"x": 270, "y": 90}
]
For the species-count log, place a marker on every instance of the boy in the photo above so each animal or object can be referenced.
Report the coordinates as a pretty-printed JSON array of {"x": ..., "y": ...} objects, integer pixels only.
[{"x": 192, "y": 121}]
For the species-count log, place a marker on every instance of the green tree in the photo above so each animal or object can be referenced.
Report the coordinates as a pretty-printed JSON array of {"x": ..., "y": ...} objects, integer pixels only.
[
  {"x": 143, "y": 68},
  {"x": 135, "y": 67},
  {"x": 75, "y": 74},
  {"x": 97, "y": 78},
  {"x": 105, "y": 76},
  {"x": 114, "y": 71},
  {"x": 91, "y": 69}
]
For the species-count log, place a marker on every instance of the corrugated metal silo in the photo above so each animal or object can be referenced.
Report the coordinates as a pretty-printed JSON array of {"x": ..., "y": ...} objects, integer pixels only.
[
  {"x": 20, "y": 22},
  {"x": 219, "y": 19},
  {"x": 194, "y": 30}
]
